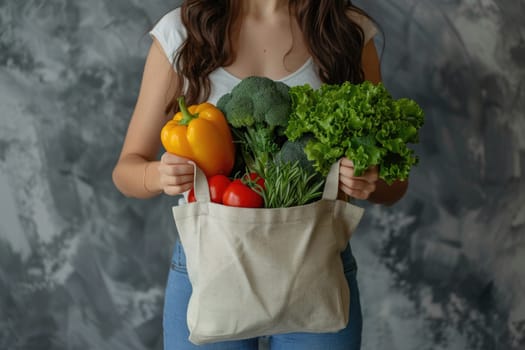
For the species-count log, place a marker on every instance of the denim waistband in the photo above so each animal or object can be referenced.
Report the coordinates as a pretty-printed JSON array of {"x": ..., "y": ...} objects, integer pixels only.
[{"x": 178, "y": 261}]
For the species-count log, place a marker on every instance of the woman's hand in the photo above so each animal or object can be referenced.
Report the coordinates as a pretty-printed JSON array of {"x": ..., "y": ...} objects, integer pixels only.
[
  {"x": 359, "y": 187},
  {"x": 176, "y": 174}
]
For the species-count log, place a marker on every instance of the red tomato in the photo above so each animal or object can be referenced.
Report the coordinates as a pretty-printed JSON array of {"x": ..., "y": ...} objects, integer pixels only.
[
  {"x": 191, "y": 196},
  {"x": 217, "y": 185},
  {"x": 240, "y": 195},
  {"x": 253, "y": 178}
]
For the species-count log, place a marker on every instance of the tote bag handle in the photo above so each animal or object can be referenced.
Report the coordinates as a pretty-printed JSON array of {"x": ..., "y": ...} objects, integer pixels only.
[
  {"x": 200, "y": 185},
  {"x": 331, "y": 185}
]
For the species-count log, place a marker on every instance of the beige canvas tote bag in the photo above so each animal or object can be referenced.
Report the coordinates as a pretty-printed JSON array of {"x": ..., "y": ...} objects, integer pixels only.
[{"x": 264, "y": 271}]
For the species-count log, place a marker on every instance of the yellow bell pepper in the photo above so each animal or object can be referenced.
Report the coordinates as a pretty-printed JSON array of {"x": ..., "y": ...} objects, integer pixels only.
[{"x": 202, "y": 134}]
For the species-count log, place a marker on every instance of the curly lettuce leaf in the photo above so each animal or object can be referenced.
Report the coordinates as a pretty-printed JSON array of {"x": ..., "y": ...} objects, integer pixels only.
[{"x": 360, "y": 121}]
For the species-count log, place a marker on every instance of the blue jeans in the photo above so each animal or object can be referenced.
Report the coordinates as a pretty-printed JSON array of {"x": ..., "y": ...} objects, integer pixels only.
[{"x": 176, "y": 331}]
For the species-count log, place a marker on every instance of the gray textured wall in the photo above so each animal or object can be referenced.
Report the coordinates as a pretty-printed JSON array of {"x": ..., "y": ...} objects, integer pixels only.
[{"x": 82, "y": 267}]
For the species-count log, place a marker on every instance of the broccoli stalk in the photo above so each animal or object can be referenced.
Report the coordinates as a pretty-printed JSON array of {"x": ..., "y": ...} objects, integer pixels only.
[{"x": 257, "y": 110}]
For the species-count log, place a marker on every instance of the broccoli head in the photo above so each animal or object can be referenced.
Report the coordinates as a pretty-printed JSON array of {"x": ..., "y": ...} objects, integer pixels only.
[
  {"x": 258, "y": 109},
  {"x": 257, "y": 101},
  {"x": 293, "y": 151}
]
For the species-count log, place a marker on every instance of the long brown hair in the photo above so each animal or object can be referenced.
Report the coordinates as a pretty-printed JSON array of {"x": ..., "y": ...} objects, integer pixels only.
[{"x": 334, "y": 41}]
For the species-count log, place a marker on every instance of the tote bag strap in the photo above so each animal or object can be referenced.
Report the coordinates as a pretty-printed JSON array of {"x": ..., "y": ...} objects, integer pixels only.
[
  {"x": 331, "y": 186},
  {"x": 200, "y": 185}
]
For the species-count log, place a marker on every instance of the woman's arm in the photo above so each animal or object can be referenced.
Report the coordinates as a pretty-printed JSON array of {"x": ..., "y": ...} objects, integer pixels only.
[
  {"x": 370, "y": 63},
  {"x": 369, "y": 186},
  {"x": 136, "y": 173}
]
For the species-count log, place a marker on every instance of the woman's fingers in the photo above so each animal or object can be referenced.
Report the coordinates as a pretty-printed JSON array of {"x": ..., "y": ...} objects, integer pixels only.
[
  {"x": 170, "y": 158},
  {"x": 176, "y": 174},
  {"x": 359, "y": 187},
  {"x": 371, "y": 174},
  {"x": 345, "y": 162},
  {"x": 176, "y": 169},
  {"x": 173, "y": 165},
  {"x": 173, "y": 185},
  {"x": 177, "y": 189},
  {"x": 356, "y": 187},
  {"x": 180, "y": 180}
]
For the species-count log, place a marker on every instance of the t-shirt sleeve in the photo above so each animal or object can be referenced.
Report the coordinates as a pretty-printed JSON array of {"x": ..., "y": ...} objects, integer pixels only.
[
  {"x": 170, "y": 33},
  {"x": 367, "y": 25}
]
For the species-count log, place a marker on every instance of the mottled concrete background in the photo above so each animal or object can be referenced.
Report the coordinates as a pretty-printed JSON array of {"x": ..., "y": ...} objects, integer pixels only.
[{"x": 82, "y": 267}]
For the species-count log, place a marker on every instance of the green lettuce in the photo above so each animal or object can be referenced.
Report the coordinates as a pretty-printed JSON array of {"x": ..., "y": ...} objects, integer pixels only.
[{"x": 360, "y": 121}]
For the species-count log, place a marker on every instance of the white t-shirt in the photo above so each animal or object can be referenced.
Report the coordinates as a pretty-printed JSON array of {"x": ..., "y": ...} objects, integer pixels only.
[{"x": 171, "y": 33}]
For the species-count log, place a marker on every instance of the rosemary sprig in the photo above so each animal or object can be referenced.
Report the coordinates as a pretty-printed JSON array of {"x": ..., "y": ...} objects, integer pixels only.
[{"x": 288, "y": 184}]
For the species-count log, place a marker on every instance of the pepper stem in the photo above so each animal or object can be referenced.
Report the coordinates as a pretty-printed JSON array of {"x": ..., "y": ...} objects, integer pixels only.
[{"x": 187, "y": 117}]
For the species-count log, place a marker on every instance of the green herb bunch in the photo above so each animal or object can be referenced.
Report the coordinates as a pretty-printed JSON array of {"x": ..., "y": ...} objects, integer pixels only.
[{"x": 288, "y": 184}]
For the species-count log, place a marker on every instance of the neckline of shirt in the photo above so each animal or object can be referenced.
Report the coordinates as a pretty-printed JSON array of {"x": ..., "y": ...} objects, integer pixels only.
[{"x": 305, "y": 65}]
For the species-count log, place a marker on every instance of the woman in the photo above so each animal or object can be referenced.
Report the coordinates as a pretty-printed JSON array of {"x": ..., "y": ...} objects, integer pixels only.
[{"x": 202, "y": 50}]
